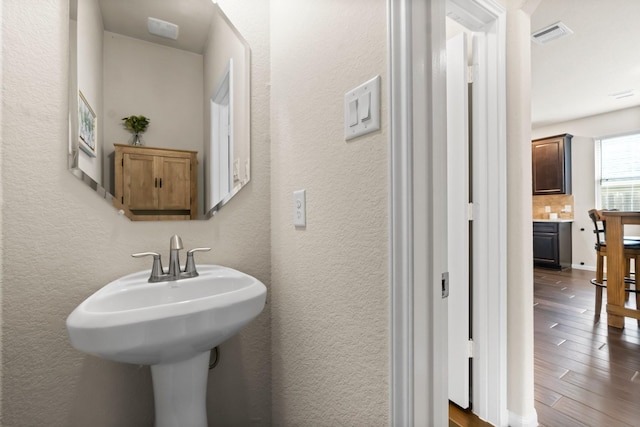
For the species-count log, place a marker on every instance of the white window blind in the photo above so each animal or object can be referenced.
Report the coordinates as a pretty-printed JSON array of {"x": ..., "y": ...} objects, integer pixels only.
[{"x": 619, "y": 172}]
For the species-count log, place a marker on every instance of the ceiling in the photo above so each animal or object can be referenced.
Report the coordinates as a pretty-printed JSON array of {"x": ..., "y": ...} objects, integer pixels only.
[
  {"x": 573, "y": 77},
  {"x": 129, "y": 18}
]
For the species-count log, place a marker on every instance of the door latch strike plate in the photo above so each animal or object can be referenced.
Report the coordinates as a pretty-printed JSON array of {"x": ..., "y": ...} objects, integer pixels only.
[{"x": 445, "y": 284}]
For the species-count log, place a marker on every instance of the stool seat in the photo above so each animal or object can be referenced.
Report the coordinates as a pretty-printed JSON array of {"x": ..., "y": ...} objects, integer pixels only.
[{"x": 627, "y": 243}]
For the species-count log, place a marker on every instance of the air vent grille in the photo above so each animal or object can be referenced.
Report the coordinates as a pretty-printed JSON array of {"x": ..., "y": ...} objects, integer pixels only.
[
  {"x": 162, "y": 28},
  {"x": 550, "y": 33}
]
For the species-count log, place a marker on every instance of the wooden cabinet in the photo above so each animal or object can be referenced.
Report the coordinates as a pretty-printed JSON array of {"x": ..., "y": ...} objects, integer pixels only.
[
  {"x": 551, "y": 165},
  {"x": 552, "y": 244},
  {"x": 155, "y": 183}
]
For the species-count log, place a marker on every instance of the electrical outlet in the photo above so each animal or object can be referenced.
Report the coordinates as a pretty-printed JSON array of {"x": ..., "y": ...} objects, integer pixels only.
[
  {"x": 567, "y": 208},
  {"x": 299, "y": 209},
  {"x": 547, "y": 209}
]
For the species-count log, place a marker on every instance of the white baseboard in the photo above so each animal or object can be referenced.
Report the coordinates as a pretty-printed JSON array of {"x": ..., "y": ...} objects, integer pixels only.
[
  {"x": 516, "y": 420},
  {"x": 583, "y": 267}
]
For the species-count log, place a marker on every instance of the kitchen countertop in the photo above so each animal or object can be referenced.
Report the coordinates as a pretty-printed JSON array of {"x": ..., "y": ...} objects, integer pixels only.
[{"x": 552, "y": 220}]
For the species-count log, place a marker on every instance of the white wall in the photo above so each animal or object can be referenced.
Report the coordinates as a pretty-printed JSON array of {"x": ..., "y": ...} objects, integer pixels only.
[
  {"x": 224, "y": 45},
  {"x": 520, "y": 380},
  {"x": 161, "y": 83},
  {"x": 584, "y": 132},
  {"x": 330, "y": 294},
  {"x": 88, "y": 39},
  {"x": 61, "y": 243}
]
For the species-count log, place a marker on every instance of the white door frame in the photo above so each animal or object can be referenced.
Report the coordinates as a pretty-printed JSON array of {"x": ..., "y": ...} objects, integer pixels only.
[{"x": 417, "y": 88}]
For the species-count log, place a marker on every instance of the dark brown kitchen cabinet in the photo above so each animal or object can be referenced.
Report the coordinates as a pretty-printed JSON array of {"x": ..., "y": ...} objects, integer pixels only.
[
  {"x": 551, "y": 165},
  {"x": 552, "y": 244}
]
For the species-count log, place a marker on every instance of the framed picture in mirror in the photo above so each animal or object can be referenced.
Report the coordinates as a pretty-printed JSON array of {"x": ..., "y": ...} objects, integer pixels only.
[{"x": 87, "y": 126}]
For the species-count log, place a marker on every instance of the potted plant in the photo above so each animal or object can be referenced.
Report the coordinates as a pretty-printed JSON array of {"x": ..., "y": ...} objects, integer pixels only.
[{"x": 136, "y": 125}]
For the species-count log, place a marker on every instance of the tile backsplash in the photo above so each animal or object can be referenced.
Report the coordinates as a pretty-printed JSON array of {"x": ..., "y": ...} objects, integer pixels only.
[{"x": 556, "y": 202}]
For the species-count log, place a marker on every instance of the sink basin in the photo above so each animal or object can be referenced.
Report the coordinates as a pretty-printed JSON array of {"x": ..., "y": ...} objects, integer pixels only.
[
  {"x": 171, "y": 326},
  {"x": 131, "y": 320}
]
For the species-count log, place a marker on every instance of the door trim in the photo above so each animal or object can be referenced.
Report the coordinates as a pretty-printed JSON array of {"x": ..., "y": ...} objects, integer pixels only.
[
  {"x": 417, "y": 248},
  {"x": 418, "y": 366},
  {"x": 400, "y": 214}
]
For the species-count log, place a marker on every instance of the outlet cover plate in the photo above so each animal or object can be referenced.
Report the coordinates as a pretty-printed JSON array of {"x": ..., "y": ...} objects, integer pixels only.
[{"x": 299, "y": 208}]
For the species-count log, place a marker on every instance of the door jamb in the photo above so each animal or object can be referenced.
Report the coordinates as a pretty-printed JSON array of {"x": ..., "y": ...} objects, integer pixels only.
[{"x": 418, "y": 369}]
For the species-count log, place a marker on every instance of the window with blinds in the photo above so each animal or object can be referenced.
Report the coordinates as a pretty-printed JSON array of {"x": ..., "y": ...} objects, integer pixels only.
[{"x": 618, "y": 172}]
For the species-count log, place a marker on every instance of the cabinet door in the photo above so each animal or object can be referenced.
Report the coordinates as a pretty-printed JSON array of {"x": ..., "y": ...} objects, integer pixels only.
[
  {"x": 545, "y": 248},
  {"x": 140, "y": 182},
  {"x": 175, "y": 184},
  {"x": 548, "y": 166}
]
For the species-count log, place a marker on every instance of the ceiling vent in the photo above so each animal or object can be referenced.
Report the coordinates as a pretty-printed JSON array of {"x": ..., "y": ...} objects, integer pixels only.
[
  {"x": 551, "y": 33},
  {"x": 162, "y": 28}
]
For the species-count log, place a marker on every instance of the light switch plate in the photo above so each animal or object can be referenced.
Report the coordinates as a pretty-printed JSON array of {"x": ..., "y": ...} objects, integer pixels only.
[
  {"x": 365, "y": 100},
  {"x": 299, "y": 209}
]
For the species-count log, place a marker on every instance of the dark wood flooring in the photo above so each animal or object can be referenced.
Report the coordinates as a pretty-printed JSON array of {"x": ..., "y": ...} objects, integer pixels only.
[{"x": 586, "y": 374}]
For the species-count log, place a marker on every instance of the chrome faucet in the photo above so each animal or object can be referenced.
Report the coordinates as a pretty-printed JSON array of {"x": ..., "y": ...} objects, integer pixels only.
[
  {"x": 175, "y": 272},
  {"x": 175, "y": 246}
]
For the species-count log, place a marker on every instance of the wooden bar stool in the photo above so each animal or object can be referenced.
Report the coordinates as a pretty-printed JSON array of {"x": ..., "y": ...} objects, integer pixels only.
[{"x": 631, "y": 251}]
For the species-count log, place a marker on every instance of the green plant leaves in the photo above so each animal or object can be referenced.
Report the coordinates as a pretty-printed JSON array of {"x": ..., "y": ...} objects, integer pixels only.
[{"x": 136, "y": 124}]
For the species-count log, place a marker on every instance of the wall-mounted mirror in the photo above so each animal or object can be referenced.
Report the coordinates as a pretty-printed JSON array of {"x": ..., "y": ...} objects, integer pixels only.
[{"x": 185, "y": 67}]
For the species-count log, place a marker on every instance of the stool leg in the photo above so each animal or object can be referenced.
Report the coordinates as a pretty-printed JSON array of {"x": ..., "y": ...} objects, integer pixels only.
[
  {"x": 599, "y": 279},
  {"x": 598, "y": 303},
  {"x": 635, "y": 282},
  {"x": 599, "y": 268},
  {"x": 627, "y": 273},
  {"x": 638, "y": 304}
]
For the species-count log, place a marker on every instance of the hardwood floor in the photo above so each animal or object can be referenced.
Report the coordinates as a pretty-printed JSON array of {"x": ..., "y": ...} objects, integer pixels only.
[
  {"x": 586, "y": 374},
  {"x": 459, "y": 417}
]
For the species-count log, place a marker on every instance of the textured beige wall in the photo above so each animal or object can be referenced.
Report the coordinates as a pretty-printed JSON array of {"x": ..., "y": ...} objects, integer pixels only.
[
  {"x": 330, "y": 293},
  {"x": 61, "y": 243}
]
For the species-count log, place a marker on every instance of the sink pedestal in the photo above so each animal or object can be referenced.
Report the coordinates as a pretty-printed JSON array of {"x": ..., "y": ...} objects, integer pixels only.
[{"x": 180, "y": 390}]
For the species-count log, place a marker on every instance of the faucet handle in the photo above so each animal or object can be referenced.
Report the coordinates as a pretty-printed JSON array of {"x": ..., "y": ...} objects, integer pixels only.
[
  {"x": 190, "y": 267},
  {"x": 156, "y": 269}
]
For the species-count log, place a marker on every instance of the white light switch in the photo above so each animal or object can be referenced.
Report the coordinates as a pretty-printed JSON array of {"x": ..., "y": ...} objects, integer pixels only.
[
  {"x": 299, "y": 209},
  {"x": 366, "y": 98},
  {"x": 353, "y": 112},
  {"x": 364, "y": 101}
]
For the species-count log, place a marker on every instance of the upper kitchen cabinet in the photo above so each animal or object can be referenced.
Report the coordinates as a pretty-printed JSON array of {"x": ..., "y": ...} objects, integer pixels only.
[{"x": 551, "y": 166}]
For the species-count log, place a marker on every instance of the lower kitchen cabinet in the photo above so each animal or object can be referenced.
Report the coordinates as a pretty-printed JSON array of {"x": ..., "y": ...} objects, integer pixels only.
[{"x": 552, "y": 244}]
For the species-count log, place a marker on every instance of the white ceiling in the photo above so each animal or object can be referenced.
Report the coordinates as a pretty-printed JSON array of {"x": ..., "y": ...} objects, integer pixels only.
[
  {"x": 129, "y": 18},
  {"x": 573, "y": 77}
]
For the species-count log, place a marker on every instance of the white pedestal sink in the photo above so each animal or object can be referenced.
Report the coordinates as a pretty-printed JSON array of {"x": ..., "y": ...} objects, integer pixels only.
[{"x": 171, "y": 326}]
